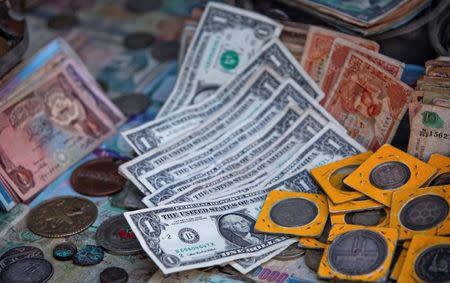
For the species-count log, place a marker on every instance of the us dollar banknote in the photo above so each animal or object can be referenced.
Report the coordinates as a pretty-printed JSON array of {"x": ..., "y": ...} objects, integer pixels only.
[
  {"x": 226, "y": 39},
  {"x": 187, "y": 236},
  {"x": 161, "y": 131}
]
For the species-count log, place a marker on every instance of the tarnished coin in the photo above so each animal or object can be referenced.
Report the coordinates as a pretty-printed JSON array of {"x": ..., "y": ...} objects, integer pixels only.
[
  {"x": 130, "y": 198},
  {"x": 390, "y": 175},
  {"x": 113, "y": 275},
  {"x": 142, "y": 6},
  {"x": 19, "y": 253},
  {"x": 164, "y": 51},
  {"x": 441, "y": 180},
  {"x": 433, "y": 264},
  {"x": 62, "y": 216},
  {"x": 292, "y": 252},
  {"x": 132, "y": 104},
  {"x": 357, "y": 252},
  {"x": 138, "y": 40},
  {"x": 88, "y": 255},
  {"x": 116, "y": 237},
  {"x": 366, "y": 218},
  {"x": 64, "y": 251},
  {"x": 293, "y": 212},
  {"x": 98, "y": 177},
  {"x": 313, "y": 258},
  {"x": 28, "y": 270},
  {"x": 424, "y": 212},
  {"x": 62, "y": 21}
]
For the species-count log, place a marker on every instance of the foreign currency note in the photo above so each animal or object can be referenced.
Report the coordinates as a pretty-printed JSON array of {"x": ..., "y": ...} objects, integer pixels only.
[
  {"x": 225, "y": 41},
  {"x": 368, "y": 102},
  {"x": 429, "y": 131}
]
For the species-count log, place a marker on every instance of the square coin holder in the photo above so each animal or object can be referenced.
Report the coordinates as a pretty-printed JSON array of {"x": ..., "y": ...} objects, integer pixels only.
[
  {"x": 330, "y": 177},
  {"x": 399, "y": 264},
  {"x": 426, "y": 260},
  {"x": 318, "y": 243},
  {"x": 354, "y": 205},
  {"x": 387, "y": 171},
  {"x": 423, "y": 211},
  {"x": 442, "y": 164},
  {"x": 358, "y": 242},
  {"x": 287, "y": 213},
  {"x": 345, "y": 218}
]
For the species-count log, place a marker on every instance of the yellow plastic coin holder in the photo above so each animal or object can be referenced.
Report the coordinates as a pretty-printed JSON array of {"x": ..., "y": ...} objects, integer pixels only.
[
  {"x": 340, "y": 218},
  {"x": 442, "y": 164},
  {"x": 354, "y": 205}
]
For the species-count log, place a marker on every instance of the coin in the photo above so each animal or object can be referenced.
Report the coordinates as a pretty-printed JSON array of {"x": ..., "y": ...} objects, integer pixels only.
[
  {"x": 62, "y": 216},
  {"x": 292, "y": 252},
  {"x": 88, "y": 255},
  {"x": 338, "y": 176},
  {"x": 62, "y": 21},
  {"x": 164, "y": 51},
  {"x": 129, "y": 198},
  {"x": 142, "y": 6},
  {"x": 424, "y": 212},
  {"x": 293, "y": 212},
  {"x": 313, "y": 258},
  {"x": 113, "y": 275},
  {"x": 432, "y": 265},
  {"x": 138, "y": 40},
  {"x": 357, "y": 252},
  {"x": 19, "y": 253},
  {"x": 116, "y": 237},
  {"x": 64, "y": 251},
  {"x": 98, "y": 177},
  {"x": 28, "y": 270},
  {"x": 390, "y": 175},
  {"x": 441, "y": 180},
  {"x": 132, "y": 104},
  {"x": 366, "y": 218}
]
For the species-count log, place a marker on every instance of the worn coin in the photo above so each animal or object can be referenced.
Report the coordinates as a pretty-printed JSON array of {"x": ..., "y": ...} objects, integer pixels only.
[
  {"x": 292, "y": 252},
  {"x": 390, "y": 175},
  {"x": 132, "y": 104},
  {"x": 98, "y": 177},
  {"x": 441, "y": 180},
  {"x": 313, "y": 258},
  {"x": 64, "y": 251},
  {"x": 113, "y": 275},
  {"x": 28, "y": 270},
  {"x": 129, "y": 198},
  {"x": 88, "y": 255},
  {"x": 433, "y": 264},
  {"x": 62, "y": 21},
  {"x": 138, "y": 40},
  {"x": 366, "y": 218},
  {"x": 357, "y": 252},
  {"x": 164, "y": 51},
  {"x": 19, "y": 253},
  {"x": 142, "y": 6},
  {"x": 424, "y": 212},
  {"x": 62, "y": 216},
  {"x": 116, "y": 237},
  {"x": 293, "y": 212}
]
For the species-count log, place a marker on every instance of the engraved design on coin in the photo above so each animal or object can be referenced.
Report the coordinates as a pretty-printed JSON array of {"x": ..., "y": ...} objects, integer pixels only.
[
  {"x": 188, "y": 235},
  {"x": 19, "y": 253},
  {"x": 293, "y": 212},
  {"x": 390, "y": 175},
  {"x": 28, "y": 270},
  {"x": 424, "y": 212},
  {"x": 433, "y": 264},
  {"x": 357, "y": 252},
  {"x": 62, "y": 216}
]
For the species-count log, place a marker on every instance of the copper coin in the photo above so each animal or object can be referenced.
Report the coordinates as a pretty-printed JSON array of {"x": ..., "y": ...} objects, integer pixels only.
[
  {"x": 62, "y": 216},
  {"x": 98, "y": 177}
]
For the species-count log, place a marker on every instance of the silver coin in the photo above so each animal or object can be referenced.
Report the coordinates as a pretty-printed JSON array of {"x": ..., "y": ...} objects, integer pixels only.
[
  {"x": 116, "y": 237},
  {"x": 366, "y": 218},
  {"x": 313, "y": 258},
  {"x": 132, "y": 104},
  {"x": 29, "y": 270},
  {"x": 424, "y": 212},
  {"x": 433, "y": 264},
  {"x": 292, "y": 252},
  {"x": 293, "y": 212},
  {"x": 19, "y": 253},
  {"x": 390, "y": 175},
  {"x": 441, "y": 180},
  {"x": 357, "y": 252}
]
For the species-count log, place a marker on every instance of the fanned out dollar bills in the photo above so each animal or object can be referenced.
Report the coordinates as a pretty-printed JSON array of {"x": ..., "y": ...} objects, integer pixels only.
[{"x": 243, "y": 119}]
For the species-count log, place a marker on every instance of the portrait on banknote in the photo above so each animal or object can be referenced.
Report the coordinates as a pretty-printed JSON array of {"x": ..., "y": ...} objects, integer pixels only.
[{"x": 238, "y": 229}]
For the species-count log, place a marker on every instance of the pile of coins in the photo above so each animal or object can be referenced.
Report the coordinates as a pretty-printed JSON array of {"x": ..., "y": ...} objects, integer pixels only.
[{"x": 373, "y": 205}]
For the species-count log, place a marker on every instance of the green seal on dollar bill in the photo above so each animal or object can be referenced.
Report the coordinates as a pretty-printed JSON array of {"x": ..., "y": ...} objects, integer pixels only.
[
  {"x": 432, "y": 120},
  {"x": 229, "y": 60}
]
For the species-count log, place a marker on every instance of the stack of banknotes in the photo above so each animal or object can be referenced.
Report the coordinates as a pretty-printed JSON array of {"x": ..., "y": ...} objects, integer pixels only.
[{"x": 245, "y": 118}]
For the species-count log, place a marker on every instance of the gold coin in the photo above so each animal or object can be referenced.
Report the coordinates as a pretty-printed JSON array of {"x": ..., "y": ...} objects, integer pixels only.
[{"x": 62, "y": 216}]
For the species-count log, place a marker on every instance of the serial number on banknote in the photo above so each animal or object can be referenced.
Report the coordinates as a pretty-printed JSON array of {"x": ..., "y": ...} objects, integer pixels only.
[{"x": 436, "y": 134}]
